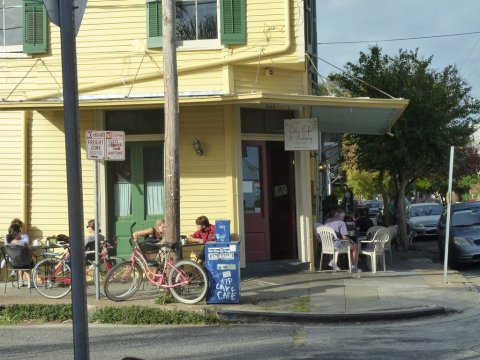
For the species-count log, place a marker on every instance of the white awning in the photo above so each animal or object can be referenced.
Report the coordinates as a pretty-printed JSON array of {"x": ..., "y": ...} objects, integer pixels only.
[{"x": 338, "y": 115}]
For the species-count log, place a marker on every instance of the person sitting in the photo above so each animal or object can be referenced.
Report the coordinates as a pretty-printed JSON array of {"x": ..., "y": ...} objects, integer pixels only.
[
  {"x": 205, "y": 232},
  {"x": 151, "y": 235},
  {"x": 363, "y": 223},
  {"x": 25, "y": 239},
  {"x": 89, "y": 240},
  {"x": 338, "y": 225},
  {"x": 14, "y": 237},
  {"x": 157, "y": 231}
]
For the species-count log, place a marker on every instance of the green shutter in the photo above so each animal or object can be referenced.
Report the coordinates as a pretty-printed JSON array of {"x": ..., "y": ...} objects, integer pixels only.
[
  {"x": 233, "y": 22},
  {"x": 34, "y": 27},
  {"x": 154, "y": 24}
]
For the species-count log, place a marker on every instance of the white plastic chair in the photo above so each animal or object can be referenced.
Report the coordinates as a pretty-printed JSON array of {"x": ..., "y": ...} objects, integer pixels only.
[
  {"x": 375, "y": 247},
  {"x": 327, "y": 236},
  {"x": 393, "y": 229}
]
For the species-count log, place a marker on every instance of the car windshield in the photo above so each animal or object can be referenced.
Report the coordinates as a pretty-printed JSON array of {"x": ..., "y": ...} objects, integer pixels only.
[
  {"x": 466, "y": 217},
  {"x": 426, "y": 210},
  {"x": 372, "y": 204}
]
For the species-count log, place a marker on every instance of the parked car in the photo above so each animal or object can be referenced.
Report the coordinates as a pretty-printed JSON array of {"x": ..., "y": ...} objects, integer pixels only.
[
  {"x": 464, "y": 239},
  {"x": 422, "y": 219},
  {"x": 373, "y": 207}
]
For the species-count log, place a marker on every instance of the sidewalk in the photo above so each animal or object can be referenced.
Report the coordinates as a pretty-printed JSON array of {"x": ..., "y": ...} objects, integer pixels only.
[{"x": 413, "y": 286}]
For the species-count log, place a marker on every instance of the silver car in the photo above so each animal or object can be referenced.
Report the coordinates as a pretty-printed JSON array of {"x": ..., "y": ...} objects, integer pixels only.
[{"x": 422, "y": 219}]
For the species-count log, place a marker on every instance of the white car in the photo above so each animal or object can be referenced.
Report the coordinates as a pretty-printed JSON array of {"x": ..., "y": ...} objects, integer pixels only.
[{"x": 422, "y": 219}]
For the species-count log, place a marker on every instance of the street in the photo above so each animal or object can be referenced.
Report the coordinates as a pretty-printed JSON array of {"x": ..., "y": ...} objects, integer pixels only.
[{"x": 451, "y": 337}]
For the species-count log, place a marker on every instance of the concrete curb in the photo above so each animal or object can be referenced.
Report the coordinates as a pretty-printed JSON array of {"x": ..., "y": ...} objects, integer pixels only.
[{"x": 394, "y": 314}]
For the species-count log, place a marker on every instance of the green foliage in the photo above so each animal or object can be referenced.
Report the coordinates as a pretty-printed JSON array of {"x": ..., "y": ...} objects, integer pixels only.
[
  {"x": 12, "y": 314},
  {"x": 166, "y": 298},
  {"x": 135, "y": 315},
  {"x": 303, "y": 304},
  {"x": 441, "y": 113}
]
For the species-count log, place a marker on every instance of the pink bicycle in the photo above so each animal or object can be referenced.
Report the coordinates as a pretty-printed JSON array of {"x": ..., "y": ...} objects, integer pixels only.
[{"x": 186, "y": 280}]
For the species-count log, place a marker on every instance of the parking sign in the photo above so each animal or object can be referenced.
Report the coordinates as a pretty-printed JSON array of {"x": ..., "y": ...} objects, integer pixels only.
[{"x": 105, "y": 145}]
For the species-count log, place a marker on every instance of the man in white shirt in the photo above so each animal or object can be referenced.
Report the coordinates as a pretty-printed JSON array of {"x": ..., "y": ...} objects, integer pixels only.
[{"x": 340, "y": 228}]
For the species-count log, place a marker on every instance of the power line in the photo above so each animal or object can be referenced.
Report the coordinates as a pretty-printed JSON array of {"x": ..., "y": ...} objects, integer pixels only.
[{"x": 397, "y": 39}]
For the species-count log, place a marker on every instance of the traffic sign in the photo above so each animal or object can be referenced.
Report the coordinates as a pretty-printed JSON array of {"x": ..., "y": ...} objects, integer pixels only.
[{"x": 105, "y": 145}]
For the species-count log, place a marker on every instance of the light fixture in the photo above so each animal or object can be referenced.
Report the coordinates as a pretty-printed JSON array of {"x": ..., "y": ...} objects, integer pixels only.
[
  {"x": 322, "y": 167},
  {"x": 197, "y": 146}
]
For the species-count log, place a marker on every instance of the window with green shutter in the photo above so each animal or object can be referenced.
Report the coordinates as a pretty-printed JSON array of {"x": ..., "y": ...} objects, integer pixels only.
[
  {"x": 154, "y": 24},
  {"x": 233, "y": 22},
  {"x": 196, "y": 21},
  {"x": 34, "y": 27}
]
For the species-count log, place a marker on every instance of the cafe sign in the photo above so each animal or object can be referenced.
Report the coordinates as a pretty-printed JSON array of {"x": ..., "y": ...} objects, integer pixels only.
[
  {"x": 105, "y": 145},
  {"x": 301, "y": 134}
]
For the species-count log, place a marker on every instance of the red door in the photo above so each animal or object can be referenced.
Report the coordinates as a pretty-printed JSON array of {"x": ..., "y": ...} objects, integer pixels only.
[{"x": 255, "y": 201}]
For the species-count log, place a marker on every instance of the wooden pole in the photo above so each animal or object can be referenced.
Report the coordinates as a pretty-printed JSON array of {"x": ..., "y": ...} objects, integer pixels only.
[{"x": 172, "y": 182}]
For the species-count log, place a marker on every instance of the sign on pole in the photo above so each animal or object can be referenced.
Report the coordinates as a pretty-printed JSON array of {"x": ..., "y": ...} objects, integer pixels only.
[
  {"x": 105, "y": 145},
  {"x": 53, "y": 12}
]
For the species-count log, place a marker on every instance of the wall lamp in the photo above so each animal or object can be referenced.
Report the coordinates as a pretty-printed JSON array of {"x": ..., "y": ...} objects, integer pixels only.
[
  {"x": 197, "y": 146},
  {"x": 322, "y": 167}
]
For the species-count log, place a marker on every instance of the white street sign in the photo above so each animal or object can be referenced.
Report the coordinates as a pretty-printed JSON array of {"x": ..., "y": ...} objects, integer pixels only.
[{"x": 105, "y": 145}]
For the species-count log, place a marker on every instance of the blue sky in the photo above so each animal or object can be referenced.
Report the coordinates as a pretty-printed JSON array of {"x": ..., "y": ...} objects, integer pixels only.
[{"x": 357, "y": 20}]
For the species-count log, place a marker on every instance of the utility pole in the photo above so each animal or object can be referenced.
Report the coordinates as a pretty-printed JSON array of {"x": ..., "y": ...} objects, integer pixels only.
[{"x": 172, "y": 177}]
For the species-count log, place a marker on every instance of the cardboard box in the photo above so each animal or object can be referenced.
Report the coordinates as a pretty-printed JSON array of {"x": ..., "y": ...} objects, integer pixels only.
[{"x": 222, "y": 230}]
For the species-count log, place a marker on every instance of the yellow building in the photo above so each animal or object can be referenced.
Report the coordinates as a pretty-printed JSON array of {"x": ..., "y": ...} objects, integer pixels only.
[{"x": 243, "y": 67}]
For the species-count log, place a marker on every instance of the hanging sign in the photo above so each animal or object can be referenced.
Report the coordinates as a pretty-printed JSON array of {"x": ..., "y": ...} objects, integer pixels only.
[
  {"x": 301, "y": 134},
  {"x": 105, "y": 145}
]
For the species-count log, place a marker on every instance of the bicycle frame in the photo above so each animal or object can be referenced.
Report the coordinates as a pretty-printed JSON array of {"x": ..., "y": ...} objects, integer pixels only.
[{"x": 158, "y": 279}]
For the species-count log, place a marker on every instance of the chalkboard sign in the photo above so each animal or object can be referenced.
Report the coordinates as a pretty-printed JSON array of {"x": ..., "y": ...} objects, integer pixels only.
[{"x": 301, "y": 134}]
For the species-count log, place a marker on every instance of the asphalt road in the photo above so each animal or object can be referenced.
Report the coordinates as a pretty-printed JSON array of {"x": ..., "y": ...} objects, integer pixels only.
[{"x": 450, "y": 337}]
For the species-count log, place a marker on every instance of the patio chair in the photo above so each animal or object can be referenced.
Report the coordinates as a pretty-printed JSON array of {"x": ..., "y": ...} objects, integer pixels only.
[
  {"x": 18, "y": 258},
  {"x": 393, "y": 229},
  {"x": 327, "y": 237},
  {"x": 375, "y": 247}
]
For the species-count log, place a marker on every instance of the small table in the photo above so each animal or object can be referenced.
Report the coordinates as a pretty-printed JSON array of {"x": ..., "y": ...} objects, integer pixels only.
[{"x": 38, "y": 251}]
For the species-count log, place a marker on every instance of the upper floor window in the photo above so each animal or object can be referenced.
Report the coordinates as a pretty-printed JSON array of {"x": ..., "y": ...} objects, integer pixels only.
[
  {"x": 198, "y": 21},
  {"x": 23, "y": 26}
]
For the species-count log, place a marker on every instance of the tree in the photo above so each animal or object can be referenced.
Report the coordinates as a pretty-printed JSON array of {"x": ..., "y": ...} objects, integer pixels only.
[{"x": 441, "y": 113}]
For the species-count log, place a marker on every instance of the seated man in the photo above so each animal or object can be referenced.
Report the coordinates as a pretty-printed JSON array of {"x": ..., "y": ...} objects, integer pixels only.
[
  {"x": 205, "y": 232},
  {"x": 338, "y": 225},
  {"x": 363, "y": 222}
]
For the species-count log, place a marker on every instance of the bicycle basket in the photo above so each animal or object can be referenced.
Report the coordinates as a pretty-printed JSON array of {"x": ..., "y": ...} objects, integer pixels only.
[{"x": 149, "y": 249}]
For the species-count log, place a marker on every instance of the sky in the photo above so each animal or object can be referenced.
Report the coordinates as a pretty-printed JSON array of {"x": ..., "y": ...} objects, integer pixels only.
[{"x": 370, "y": 20}]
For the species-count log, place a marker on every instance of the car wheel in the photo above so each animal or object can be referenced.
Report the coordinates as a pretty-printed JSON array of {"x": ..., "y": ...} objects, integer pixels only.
[
  {"x": 452, "y": 260},
  {"x": 440, "y": 250}
]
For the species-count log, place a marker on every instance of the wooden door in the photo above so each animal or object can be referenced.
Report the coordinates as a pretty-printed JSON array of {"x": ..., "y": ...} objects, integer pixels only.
[
  {"x": 136, "y": 190},
  {"x": 255, "y": 201}
]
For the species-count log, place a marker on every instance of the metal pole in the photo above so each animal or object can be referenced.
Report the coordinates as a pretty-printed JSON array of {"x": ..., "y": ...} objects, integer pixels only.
[
  {"x": 97, "y": 245},
  {"x": 170, "y": 81},
  {"x": 74, "y": 179},
  {"x": 449, "y": 205}
]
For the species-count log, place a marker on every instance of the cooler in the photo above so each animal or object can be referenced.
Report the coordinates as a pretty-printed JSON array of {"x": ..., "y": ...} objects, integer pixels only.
[{"x": 222, "y": 264}]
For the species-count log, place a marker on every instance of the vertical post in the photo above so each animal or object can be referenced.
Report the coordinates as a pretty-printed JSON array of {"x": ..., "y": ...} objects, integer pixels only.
[
  {"x": 170, "y": 81},
  {"x": 449, "y": 206},
  {"x": 74, "y": 179},
  {"x": 97, "y": 227}
]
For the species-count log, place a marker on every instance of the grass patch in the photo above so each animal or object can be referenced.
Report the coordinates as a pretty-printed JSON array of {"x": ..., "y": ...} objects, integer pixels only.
[
  {"x": 140, "y": 315},
  {"x": 14, "y": 314},
  {"x": 132, "y": 315},
  {"x": 303, "y": 304},
  {"x": 166, "y": 298}
]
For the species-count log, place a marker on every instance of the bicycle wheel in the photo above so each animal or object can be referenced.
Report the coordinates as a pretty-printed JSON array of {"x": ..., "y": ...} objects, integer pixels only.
[
  {"x": 123, "y": 281},
  {"x": 188, "y": 281},
  {"x": 103, "y": 270},
  {"x": 52, "y": 278}
]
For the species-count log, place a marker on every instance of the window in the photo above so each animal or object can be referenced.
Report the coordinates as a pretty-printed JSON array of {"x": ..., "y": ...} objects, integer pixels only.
[
  {"x": 197, "y": 20},
  {"x": 23, "y": 26}
]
